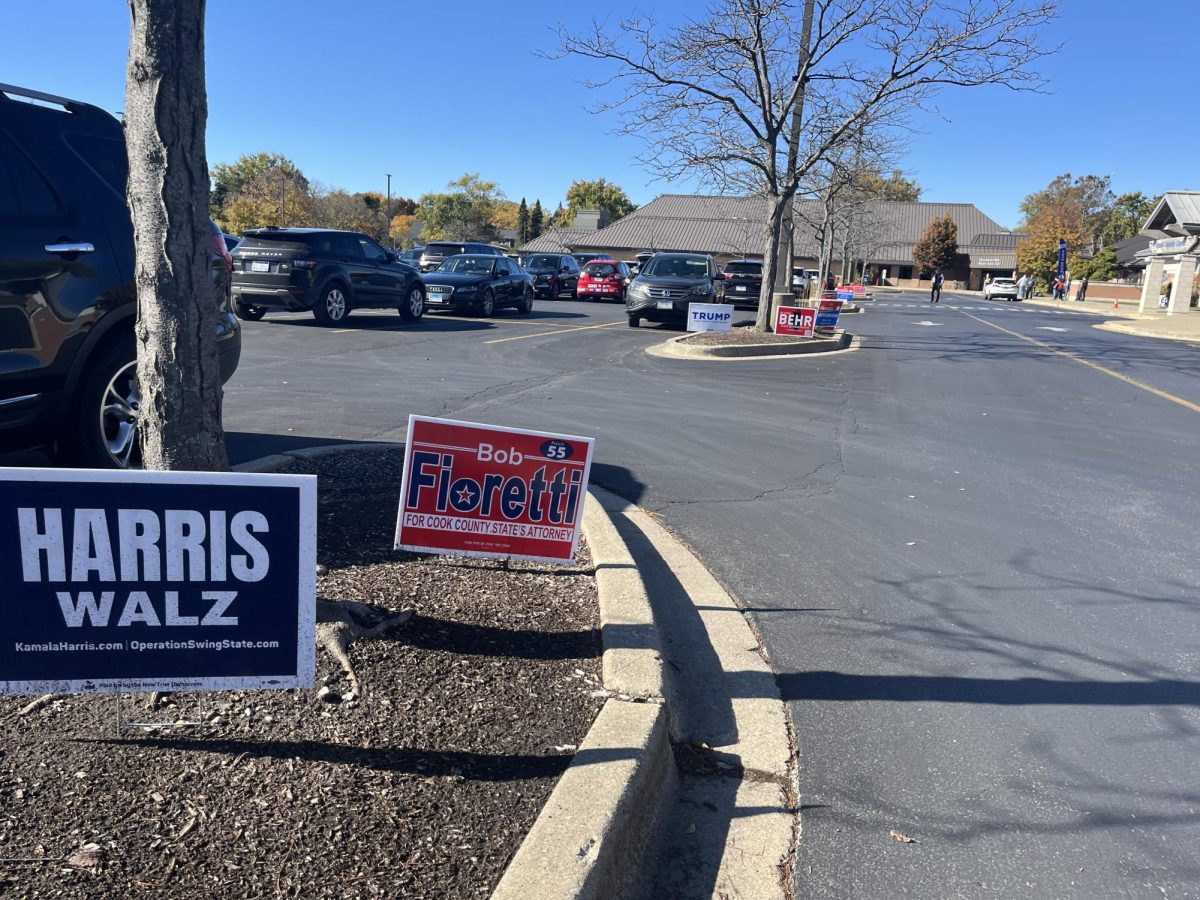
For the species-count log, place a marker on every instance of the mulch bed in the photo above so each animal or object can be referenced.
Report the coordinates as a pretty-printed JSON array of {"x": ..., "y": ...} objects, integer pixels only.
[
  {"x": 422, "y": 787},
  {"x": 741, "y": 336}
]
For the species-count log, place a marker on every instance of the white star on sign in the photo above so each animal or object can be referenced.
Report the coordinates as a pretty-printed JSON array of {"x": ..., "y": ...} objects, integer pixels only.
[{"x": 464, "y": 496}]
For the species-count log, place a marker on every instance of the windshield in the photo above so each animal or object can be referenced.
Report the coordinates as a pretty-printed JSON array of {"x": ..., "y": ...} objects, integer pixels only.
[
  {"x": 677, "y": 267},
  {"x": 468, "y": 265},
  {"x": 444, "y": 249},
  {"x": 743, "y": 268},
  {"x": 600, "y": 269},
  {"x": 543, "y": 261}
]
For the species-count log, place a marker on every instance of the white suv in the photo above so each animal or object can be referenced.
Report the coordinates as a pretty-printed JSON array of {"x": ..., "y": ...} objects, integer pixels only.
[{"x": 1000, "y": 288}]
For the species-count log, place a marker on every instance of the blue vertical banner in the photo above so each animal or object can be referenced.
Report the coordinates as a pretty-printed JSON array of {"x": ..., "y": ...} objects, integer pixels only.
[{"x": 1062, "y": 258}]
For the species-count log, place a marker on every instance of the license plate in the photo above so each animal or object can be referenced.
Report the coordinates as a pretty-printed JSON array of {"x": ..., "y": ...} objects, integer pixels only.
[
  {"x": 435, "y": 297},
  {"x": 740, "y": 287},
  {"x": 595, "y": 287},
  {"x": 260, "y": 265},
  {"x": 665, "y": 304}
]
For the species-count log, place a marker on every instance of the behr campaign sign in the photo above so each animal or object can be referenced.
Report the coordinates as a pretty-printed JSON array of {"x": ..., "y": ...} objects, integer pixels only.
[
  {"x": 478, "y": 490},
  {"x": 797, "y": 321},
  {"x": 156, "y": 581}
]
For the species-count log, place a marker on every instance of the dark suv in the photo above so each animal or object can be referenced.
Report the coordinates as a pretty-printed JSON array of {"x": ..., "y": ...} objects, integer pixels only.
[
  {"x": 553, "y": 274},
  {"x": 743, "y": 281},
  {"x": 67, "y": 299},
  {"x": 667, "y": 284},
  {"x": 437, "y": 252},
  {"x": 323, "y": 271}
]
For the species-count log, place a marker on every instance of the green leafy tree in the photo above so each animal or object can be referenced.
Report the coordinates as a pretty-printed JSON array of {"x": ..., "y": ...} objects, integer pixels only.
[
  {"x": 465, "y": 212},
  {"x": 232, "y": 179},
  {"x": 938, "y": 247},
  {"x": 365, "y": 212},
  {"x": 1129, "y": 212},
  {"x": 537, "y": 223},
  {"x": 599, "y": 194},
  {"x": 273, "y": 197},
  {"x": 1101, "y": 267},
  {"x": 896, "y": 187},
  {"x": 522, "y": 223},
  {"x": 1085, "y": 203}
]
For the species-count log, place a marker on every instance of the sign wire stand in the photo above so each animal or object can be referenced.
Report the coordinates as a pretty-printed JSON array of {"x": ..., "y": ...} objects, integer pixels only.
[{"x": 122, "y": 725}]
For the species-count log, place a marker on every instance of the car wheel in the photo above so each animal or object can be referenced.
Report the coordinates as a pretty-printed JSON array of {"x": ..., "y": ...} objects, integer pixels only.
[
  {"x": 109, "y": 407},
  {"x": 635, "y": 321},
  {"x": 333, "y": 307},
  {"x": 526, "y": 306},
  {"x": 487, "y": 305},
  {"x": 247, "y": 312},
  {"x": 415, "y": 307}
]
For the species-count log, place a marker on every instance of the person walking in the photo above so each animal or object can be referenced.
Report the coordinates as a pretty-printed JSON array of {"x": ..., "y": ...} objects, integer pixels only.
[
  {"x": 1058, "y": 288},
  {"x": 1081, "y": 295},
  {"x": 935, "y": 292},
  {"x": 1067, "y": 287},
  {"x": 1023, "y": 287}
]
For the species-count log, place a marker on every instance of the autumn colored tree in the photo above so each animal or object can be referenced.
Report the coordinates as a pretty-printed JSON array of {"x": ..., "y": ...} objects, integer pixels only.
[
  {"x": 599, "y": 194},
  {"x": 1037, "y": 253},
  {"x": 254, "y": 174},
  {"x": 1085, "y": 202},
  {"x": 937, "y": 249},
  {"x": 402, "y": 229},
  {"x": 273, "y": 197},
  {"x": 895, "y": 187},
  {"x": 506, "y": 216}
]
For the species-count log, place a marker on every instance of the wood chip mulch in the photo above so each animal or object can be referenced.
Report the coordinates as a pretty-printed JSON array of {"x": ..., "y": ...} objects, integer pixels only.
[{"x": 422, "y": 787}]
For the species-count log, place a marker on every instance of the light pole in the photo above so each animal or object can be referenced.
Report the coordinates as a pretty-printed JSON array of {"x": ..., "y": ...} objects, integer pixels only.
[{"x": 389, "y": 211}]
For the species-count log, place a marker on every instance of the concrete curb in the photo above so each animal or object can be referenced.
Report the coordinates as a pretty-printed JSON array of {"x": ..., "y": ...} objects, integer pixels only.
[
  {"x": 674, "y": 348},
  {"x": 589, "y": 835},
  {"x": 1126, "y": 326}
]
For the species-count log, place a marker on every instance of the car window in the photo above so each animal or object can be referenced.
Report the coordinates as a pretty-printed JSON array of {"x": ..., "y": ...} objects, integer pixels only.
[
  {"x": 105, "y": 157},
  {"x": 23, "y": 191},
  {"x": 677, "y": 267},
  {"x": 468, "y": 264},
  {"x": 347, "y": 245},
  {"x": 542, "y": 261},
  {"x": 743, "y": 268},
  {"x": 370, "y": 249},
  {"x": 600, "y": 269}
]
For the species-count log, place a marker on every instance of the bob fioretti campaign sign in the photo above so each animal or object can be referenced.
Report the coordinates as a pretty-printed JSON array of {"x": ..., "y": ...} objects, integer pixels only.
[{"x": 170, "y": 581}]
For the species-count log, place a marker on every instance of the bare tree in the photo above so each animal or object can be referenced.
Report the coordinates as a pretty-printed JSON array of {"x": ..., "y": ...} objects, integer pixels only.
[
  {"x": 166, "y": 110},
  {"x": 718, "y": 97}
]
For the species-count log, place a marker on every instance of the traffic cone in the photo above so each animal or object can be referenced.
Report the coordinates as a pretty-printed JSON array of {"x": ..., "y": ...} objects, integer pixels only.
[{"x": 1115, "y": 303}]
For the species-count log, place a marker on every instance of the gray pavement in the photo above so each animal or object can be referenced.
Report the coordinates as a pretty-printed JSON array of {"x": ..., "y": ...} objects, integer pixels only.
[{"x": 969, "y": 546}]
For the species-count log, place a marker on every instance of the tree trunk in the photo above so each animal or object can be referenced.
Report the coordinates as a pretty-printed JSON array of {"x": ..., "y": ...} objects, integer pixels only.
[
  {"x": 166, "y": 109},
  {"x": 776, "y": 207}
]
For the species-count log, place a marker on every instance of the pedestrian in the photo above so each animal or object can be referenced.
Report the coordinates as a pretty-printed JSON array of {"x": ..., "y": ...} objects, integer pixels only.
[
  {"x": 935, "y": 292},
  {"x": 1023, "y": 287},
  {"x": 1082, "y": 294},
  {"x": 1067, "y": 287},
  {"x": 1058, "y": 288}
]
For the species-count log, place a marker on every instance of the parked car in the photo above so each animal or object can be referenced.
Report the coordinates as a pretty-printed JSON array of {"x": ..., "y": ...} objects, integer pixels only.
[
  {"x": 667, "y": 284},
  {"x": 743, "y": 281},
  {"x": 68, "y": 372},
  {"x": 1000, "y": 288},
  {"x": 435, "y": 253},
  {"x": 801, "y": 281},
  {"x": 412, "y": 257},
  {"x": 604, "y": 279},
  {"x": 230, "y": 241},
  {"x": 553, "y": 274},
  {"x": 325, "y": 272},
  {"x": 584, "y": 258},
  {"x": 479, "y": 283}
]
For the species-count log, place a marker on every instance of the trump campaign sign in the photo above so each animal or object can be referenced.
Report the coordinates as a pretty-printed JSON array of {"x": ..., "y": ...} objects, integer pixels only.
[
  {"x": 479, "y": 490},
  {"x": 795, "y": 320},
  {"x": 156, "y": 581},
  {"x": 710, "y": 317}
]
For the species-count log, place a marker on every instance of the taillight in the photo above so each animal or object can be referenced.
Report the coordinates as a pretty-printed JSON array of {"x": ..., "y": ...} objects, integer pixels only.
[{"x": 304, "y": 263}]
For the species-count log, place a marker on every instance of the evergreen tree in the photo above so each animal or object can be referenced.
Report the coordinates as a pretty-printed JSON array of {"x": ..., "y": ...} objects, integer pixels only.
[
  {"x": 522, "y": 223},
  {"x": 536, "y": 220}
]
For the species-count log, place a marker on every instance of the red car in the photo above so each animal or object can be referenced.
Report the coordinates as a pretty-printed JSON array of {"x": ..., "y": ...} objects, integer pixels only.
[{"x": 604, "y": 279}]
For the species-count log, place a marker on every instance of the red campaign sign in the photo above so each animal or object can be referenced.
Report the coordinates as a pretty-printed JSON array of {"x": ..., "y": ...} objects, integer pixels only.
[
  {"x": 858, "y": 290},
  {"x": 479, "y": 490},
  {"x": 795, "y": 320}
]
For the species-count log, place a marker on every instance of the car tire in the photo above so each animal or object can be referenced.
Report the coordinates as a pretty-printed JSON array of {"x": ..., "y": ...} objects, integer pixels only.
[
  {"x": 247, "y": 312},
  {"x": 526, "y": 305},
  {"x": 108, "y": 400},
  {"x": 333, "y": 307},
  {"x": 635, "y": 321},
  {"x": 487, "y": 305},
  {"x": 415, "y": 307}
]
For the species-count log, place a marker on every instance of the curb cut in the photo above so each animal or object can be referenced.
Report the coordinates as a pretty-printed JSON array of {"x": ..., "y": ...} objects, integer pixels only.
[
  {"x": 842, "y": 342},
  {"x": 599, "y": 815}
]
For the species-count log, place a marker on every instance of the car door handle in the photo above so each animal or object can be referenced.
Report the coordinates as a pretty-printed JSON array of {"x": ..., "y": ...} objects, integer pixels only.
[{"x": 70, "y": 248}]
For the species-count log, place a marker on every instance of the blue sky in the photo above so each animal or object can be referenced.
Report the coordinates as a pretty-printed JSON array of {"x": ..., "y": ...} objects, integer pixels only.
[{"x": 427, "y": 91}]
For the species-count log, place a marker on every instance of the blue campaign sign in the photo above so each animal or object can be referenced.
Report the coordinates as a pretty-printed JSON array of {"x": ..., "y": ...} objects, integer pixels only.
[
  {"x": 828, "y": 313},
  {"x": 156, "y": 581},
  {"x": 1062, "y": 258}
]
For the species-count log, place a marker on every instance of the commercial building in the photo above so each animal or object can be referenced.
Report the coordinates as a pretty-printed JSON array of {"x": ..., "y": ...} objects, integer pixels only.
[
  {"x": 878, "y": 238},
  {"x": 1173, "y": 253}
]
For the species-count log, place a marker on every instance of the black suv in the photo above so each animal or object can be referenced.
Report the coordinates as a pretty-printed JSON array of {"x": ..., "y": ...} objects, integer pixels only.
[
  {"x": 67, "y": 299},
  {"x": 437, "y": 252},
  {"x": 553, "y": 274},
  {"x": 324, "y": 271},
  {"x": 667, "y": 284},
  {"x": 743, "y": 281}
]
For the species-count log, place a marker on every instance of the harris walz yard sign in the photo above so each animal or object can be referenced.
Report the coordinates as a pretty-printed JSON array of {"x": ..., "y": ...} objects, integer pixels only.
[
  {"x": 479, "y": 490},
  {"x": 147, "y": 581}
]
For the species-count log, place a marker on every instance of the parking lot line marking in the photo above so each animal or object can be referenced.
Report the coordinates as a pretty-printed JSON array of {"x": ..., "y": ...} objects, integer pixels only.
[
  {"x": 343, "y": 330},
  {"x": 1158, "y": 392},
  {"x": 521, "y": 337}
]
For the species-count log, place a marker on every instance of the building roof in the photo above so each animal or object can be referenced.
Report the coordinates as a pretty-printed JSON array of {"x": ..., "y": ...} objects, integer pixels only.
[
  {"x": 734, "y": 226},
  {"x": 1127, "y": 250},
  {"x": 1182, "y": 207},
  {"x": 1005, "y": 240},
  {"x": 555, "y": 240}
]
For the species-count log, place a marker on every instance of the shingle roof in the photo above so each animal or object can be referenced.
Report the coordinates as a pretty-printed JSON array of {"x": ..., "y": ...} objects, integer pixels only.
[
  {"x": 556, "y": 240},
  {"x": 734, "y": 226},
  {"x": 1005, "y": 240}
]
